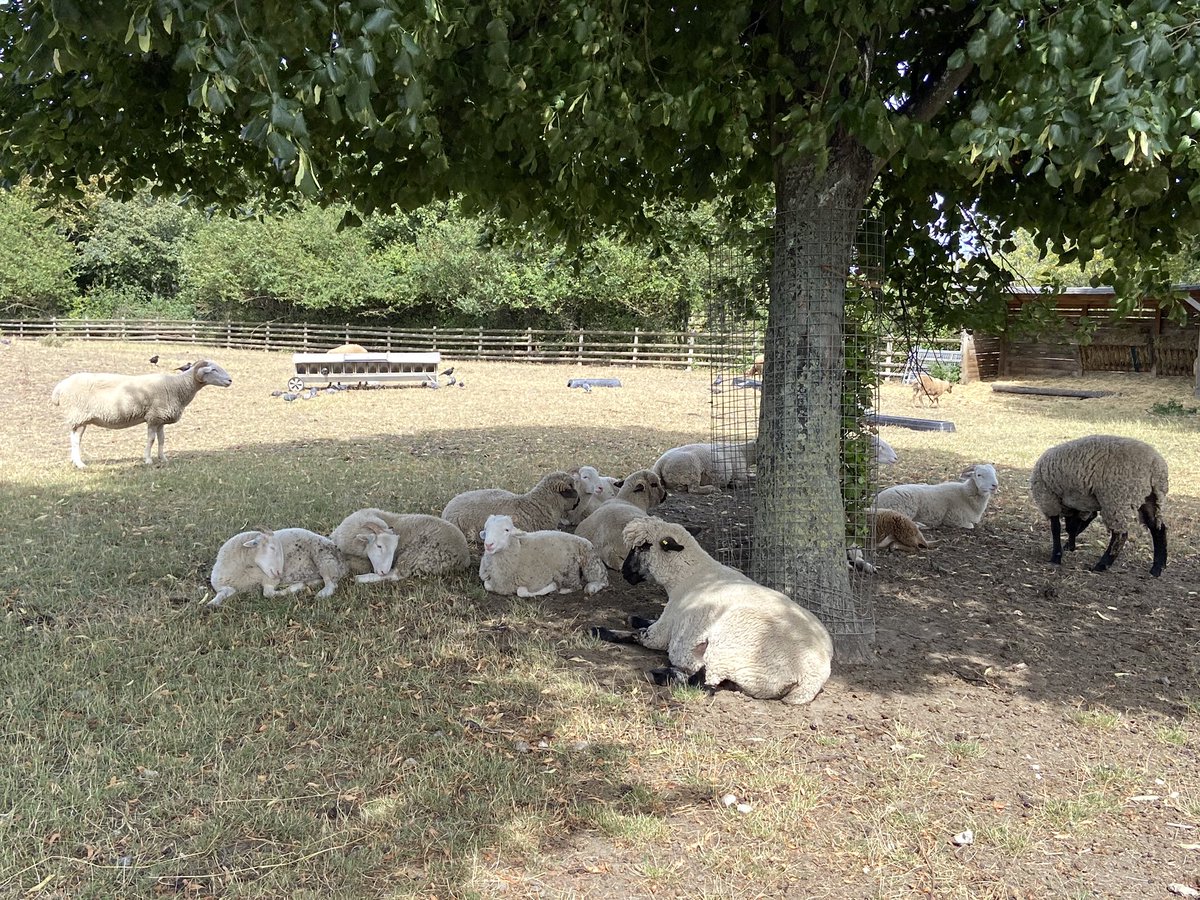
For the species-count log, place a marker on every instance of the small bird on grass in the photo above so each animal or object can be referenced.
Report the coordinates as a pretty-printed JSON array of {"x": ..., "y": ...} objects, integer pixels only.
[
  {"x": 154, "y": 360},
  {"x": 452, "y": 380},
  {"x": 449, "y": 371}
]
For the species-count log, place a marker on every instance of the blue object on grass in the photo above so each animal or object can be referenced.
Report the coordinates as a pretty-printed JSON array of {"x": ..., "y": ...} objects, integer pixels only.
[
  {"x": 908, "y": 422},
  {"x": 588, "y": 383}
]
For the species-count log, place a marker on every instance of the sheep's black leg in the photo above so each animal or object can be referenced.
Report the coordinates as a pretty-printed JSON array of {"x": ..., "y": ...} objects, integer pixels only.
[
  {"x": 616, "y": 637},
  {"x": 1112, "y": 551},
  {"x": 639, "y": 623},
  {"x": 1158, "y": 535},
  {"x": 669, "y": 675},
  {"x": 1056, "y": 537},
  {"x": 1075, "y": 527}
]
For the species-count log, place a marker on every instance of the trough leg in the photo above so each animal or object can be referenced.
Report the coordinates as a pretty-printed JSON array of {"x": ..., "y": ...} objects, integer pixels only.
[{"x": 76, "y": 455}]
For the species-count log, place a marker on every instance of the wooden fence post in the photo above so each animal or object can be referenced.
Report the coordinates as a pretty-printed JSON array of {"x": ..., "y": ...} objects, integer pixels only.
[
  {"x": 267, "y": 346},
  {"x": 636, "y": 332},
  {"x": 691, "y": 349},
  {"x": 479, "y": 346},
  {"x": 528, "y": 342},
  {"x": 969, "y": 367},
  {"x": 579, "y": 351}
]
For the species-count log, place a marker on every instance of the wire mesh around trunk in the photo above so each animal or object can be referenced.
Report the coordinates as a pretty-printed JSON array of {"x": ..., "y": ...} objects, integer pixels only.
[{"x": 738, "y": 317}]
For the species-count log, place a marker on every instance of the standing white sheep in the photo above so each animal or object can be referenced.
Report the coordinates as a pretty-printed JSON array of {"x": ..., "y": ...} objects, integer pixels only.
[
  {"x": 542, "y": 507},
  {"x": 532, "y": 563},
  {"x": 718, "y": 625},
  {"x": 120, "y": 401},
  {"x": 957, "y": 503},
  {"x": 295, "y": 557},
  {"x": 388, "y": 546},
  {"x": 1117, "y": 477}
]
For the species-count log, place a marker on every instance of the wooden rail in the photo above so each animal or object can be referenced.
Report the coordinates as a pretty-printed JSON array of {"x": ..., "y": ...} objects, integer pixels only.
[{"x": 672, "y": 349}]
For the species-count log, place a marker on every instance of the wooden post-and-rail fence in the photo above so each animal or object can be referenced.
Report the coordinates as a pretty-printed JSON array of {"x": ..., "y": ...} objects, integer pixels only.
[{"x": 673, "y": 349}]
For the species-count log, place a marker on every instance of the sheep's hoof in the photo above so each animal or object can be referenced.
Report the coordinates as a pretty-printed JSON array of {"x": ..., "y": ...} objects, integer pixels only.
[
  {"x": 639, "y": 623},
  {"x": 1156, "y": 570}
]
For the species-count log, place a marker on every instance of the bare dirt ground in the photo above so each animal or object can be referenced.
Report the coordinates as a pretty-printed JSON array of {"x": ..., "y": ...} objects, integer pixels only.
[{"x": 1001, "y": 686}]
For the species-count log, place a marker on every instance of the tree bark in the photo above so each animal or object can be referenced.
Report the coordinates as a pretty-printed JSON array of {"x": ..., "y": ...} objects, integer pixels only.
[{"x": 799, "y": 517}]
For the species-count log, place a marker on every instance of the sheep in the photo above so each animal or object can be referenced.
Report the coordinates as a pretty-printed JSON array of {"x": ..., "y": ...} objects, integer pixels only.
[
  {"x": 891, "y": 528},
  {"x": 933, "y": 388},
  {"x": 295, "y": 557},
  {"x": 640, "y": 493},
  {"x": 593, "y": 489},
  {"x": 718, "y": 625},
  {"x": 388, "y": 546},
  {"x": 533, "y": 563},
  {"x": 541, "y": 507},
  {"x": 1105, "y": 474},
  {"x": 956, "y": 503},
  {"x": 882, "y": 451},
  {"x": 756, "y": 367},
  {"x": 703, "y": 468},
  {"x": 119, "y": 401}
]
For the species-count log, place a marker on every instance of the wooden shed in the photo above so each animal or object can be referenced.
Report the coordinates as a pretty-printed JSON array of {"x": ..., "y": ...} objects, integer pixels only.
[{"x": 1145, "y": 341}]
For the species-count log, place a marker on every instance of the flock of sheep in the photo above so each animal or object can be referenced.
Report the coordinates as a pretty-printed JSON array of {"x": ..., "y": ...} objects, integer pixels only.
[{"x": 718, "y": 625}]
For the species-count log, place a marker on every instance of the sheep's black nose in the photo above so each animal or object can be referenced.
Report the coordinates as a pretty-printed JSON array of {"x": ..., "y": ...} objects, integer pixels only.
[{"x": 630, "y": 570}]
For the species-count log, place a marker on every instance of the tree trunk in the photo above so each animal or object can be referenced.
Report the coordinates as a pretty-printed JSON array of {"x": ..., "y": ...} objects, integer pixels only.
[{"x": 799, "y": 517}]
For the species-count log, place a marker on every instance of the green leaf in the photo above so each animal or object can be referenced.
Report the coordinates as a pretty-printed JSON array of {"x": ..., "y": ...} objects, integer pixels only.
[{"x": 379, "y": 21}]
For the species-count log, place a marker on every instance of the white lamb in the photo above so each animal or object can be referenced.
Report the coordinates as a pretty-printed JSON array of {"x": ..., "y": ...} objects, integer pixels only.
[
  {"x": 542, "y": 507},
  {"x": 294, "y": 557},
  {"x": 532, "y": 563},
  {"x": 704, "y": 468},
  {"x": 1117, "y": 477},
  {"x": 120, "y": 401},
  {"x": 593, "y": 489},
  {"x": 640, "y": 493},
  {"x": 718, "y": 625},
  {"x": 388, "y": 546},
  {"x": 884, "y": 454},
  {"x": 960, "y": 504}
]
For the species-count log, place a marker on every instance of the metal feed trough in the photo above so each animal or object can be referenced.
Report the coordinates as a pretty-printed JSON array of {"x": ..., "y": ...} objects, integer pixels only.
[{"x": 363, "y": 368}]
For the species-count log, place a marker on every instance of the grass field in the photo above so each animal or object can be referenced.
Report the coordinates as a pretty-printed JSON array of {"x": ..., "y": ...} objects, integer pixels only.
[{"x": 427, "y": 739}]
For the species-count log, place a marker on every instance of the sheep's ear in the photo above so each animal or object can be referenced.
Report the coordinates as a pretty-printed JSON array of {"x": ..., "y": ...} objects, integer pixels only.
[
  {"x": 253, "y": 542},
  {"x": 482, "y": 535},
  {"x": 967, "y": 472},
  {"x": 364, "y": 538},
  {"x": 670, "y": 545},
  {"x": 695, "y": 530}
]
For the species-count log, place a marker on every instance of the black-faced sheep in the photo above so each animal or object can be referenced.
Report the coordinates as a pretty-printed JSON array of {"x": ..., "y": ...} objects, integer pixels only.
[
  {"x": 120, "y": 401},
  {"x": 542, "y": 507},
  {"x": 960, "y": 504},
  {"x": 718, "y": 625},
  {"x": 1117, "y": 477}
]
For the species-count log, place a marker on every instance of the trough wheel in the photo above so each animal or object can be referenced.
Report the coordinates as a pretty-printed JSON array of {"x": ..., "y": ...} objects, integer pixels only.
[{"x": 295, "y": 384}]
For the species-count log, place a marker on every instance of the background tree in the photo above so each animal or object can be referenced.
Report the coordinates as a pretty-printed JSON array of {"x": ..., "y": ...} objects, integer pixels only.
[
  {"x": 1073, "y": 118},
  {"x": 36, "y": 259}
]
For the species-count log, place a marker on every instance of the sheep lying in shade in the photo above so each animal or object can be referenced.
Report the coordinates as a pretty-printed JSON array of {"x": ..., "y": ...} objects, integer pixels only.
[
  {"x": 960, "y": 504},
  {"x": 718, "y": 625},
  {"x": 532, "y": 563},
  {"x": 120, "y": 401},
  {"x": 933, "y": 388},
  {"x": 640, "y": 492},
  {"x": 594, "y": 489},
  {"x": 891, "y": 528},
  {"x": 294, "y": 557},
  {"x": 884, "y": 454},
  {"x": 1117, "y": 477},
  {"x": 540, "y": 508},
  {"x": 704, "y": 468},
  {"x": 388, "y": 546}
]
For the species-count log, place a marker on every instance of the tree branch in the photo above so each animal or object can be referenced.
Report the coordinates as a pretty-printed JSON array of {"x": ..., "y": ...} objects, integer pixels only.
[{"x": 922, "y": 107}]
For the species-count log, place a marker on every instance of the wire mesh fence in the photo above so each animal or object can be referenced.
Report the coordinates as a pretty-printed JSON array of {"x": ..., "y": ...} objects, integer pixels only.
[{"x": 758, "y": 349}]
